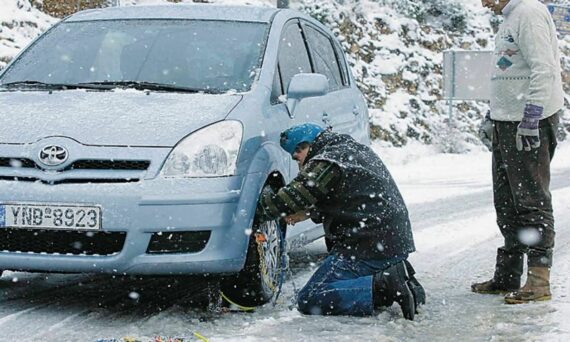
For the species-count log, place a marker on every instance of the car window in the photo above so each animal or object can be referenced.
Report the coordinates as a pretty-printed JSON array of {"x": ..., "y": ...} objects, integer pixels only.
[
  {"x": 323, "y": 56},
  {"x": 200, "y": 54},
  {"x": 342, "y": 62},
  {"x": 277, "y": 89},
  {"x": 293, "y": 56}
]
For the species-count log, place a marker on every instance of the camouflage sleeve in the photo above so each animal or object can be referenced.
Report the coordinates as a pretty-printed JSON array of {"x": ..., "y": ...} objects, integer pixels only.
[{"x": 312, "y": 184}]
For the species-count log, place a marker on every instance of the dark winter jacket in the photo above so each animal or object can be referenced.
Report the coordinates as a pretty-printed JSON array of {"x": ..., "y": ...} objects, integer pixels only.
[
  {"x": 365, "y": 216},
  {"x": 361, "y": 208}
]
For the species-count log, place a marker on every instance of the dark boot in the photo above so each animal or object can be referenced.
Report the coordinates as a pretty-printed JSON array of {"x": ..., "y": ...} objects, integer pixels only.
[
  {"x": 507, "y": 278},
  {"x": 415, "y": 286},
  {"x": 391, "y": 285}
]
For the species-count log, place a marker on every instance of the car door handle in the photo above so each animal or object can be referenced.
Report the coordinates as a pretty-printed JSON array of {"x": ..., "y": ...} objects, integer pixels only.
[
  {"x": 355, "y": 110},
  {"x": 326, "y": 119}
]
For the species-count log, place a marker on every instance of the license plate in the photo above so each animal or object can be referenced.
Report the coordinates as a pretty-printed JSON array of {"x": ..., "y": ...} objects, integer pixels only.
[{"x": 50, "y": 216}]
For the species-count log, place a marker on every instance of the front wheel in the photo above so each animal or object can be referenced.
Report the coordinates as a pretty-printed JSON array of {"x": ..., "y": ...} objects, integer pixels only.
[{"x": 261, "y": 276}]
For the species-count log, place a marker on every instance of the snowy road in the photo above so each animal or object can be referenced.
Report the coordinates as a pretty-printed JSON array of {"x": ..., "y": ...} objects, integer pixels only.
[{"x": 450, "y": 203}]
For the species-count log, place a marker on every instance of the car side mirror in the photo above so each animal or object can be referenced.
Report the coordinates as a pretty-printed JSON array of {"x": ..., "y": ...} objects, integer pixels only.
[{"x": 303, "y": 86}]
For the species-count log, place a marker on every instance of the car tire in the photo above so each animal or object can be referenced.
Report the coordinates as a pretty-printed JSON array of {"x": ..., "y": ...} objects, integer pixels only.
[{"x": 260, "y": 278}]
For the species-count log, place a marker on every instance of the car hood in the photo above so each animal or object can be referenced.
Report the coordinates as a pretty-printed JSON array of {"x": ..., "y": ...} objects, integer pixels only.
[{"x": 111, "y": 118}]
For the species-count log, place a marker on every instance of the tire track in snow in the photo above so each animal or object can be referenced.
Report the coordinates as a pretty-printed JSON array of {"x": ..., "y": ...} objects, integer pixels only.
[
  {"x": 17, "y": 315},
  {"x": 461, "y": 314},
  {"x": 425, "y": 215},
  {"x": 64, "y": 309}
]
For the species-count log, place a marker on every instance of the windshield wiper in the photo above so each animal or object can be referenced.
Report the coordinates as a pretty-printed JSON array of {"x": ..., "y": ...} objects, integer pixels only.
[
  {"x": 50, "y": 86},
  {"x": 107, "y": 85},
  {"x": 142, "y": 85}
]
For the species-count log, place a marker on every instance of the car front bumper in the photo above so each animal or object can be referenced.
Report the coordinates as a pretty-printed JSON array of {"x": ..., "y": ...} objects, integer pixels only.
[{"x": 222, "y": 206}]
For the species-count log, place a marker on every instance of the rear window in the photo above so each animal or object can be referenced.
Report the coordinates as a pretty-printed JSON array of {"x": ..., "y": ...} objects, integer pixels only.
[{"x": 200, "y": 54}]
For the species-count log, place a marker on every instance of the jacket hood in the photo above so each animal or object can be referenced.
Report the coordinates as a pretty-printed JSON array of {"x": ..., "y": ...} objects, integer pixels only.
[
  {"x": 326, "y": 137},
  {"x": 109, "y": 118}
]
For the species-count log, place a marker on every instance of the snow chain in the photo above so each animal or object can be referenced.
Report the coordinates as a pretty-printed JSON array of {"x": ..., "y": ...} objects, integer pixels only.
[{"x": 261, "y": 239}]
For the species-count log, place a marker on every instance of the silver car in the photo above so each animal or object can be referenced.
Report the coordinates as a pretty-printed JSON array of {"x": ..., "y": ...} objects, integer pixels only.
[{"x": 137, "y": 140}]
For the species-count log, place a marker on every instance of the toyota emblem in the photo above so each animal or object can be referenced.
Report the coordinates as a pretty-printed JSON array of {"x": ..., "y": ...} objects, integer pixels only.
[{"x": 53, "y": 155}]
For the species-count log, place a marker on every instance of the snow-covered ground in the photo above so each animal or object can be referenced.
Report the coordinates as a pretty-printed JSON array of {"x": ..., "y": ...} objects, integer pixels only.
[{"x": 450, "y": 202}]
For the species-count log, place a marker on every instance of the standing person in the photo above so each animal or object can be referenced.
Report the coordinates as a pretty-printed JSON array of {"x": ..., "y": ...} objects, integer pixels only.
[
  {"x": 526, "y": 98},
  {"x": 344, "y": 185}
]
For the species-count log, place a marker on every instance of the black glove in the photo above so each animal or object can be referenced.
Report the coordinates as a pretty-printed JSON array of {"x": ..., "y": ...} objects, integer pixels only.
[{"x": 486, "y": 131}]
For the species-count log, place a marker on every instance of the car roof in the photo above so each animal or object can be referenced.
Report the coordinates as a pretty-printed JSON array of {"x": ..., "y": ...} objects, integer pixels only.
[{"x": 179, "y": 11}]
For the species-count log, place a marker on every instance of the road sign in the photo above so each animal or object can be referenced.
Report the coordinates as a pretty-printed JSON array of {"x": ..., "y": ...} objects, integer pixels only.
[{"x": 467, "y": 75}]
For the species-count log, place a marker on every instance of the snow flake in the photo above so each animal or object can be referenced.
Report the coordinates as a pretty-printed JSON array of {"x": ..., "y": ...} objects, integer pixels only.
[
  {"x": 529, "y": 236},
  {"x": 15, "y": 163}
]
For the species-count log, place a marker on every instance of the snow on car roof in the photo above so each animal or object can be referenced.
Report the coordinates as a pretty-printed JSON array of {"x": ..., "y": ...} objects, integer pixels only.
[{"x": 179, "y": 11}]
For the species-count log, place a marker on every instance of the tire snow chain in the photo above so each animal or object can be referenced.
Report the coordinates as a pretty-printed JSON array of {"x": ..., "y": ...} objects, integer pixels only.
[{"x": 260, "y": 239}]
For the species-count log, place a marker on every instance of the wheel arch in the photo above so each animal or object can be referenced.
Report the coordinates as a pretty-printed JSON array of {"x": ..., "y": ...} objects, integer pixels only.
[{"x": 268, "y": 167}]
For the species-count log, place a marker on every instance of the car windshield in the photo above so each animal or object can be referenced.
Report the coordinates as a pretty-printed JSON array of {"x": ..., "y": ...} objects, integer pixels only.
[{"x": 202, "y": 55}]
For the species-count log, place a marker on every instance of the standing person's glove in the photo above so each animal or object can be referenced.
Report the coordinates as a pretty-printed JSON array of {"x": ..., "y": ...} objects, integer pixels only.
[
  {"x": 486, "y": 130},
  {"x": 527, "y": 132}
]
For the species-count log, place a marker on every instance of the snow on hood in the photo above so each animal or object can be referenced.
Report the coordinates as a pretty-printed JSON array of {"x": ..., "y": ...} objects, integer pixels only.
[{"x": 117, "y": 118}]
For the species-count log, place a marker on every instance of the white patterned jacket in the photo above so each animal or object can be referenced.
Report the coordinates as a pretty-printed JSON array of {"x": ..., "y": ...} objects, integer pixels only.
[{"x": 526, "y": 63}]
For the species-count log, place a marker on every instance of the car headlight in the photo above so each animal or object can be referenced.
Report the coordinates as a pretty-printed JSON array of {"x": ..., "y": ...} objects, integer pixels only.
[{"x": 209, "y": 152}]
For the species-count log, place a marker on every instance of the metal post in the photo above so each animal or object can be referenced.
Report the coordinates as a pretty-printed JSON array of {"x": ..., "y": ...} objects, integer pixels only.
[
  {"x": 450, "y": 102},
  {"x": 282, "y": 3}
]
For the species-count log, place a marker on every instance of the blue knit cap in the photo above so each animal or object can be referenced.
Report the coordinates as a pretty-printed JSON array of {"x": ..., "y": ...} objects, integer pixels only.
[{"x": 292, "y": 137}]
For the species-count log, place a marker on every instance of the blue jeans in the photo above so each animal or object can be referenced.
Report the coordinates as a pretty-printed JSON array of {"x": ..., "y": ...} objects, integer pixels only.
[{"x": 342, "y": 286}]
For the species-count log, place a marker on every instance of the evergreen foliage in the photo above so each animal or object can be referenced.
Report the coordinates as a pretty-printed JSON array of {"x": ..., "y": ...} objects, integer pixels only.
[{"x": 449, "y": 14}]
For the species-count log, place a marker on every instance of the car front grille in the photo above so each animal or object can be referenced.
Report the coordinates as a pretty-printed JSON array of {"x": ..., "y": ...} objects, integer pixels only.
[
  {"x": 71, "y": 180},
  {"x": 83, "y": 164},
  {"x": 67, "y": 175},
  {"x": 17, "y": 162},
  {"x": 61, "y": 241},
  {"x": 136, "y": 165}
]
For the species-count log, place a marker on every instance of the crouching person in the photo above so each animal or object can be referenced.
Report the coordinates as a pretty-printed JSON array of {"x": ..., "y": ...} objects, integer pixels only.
[{"x": 345, "y": 185}]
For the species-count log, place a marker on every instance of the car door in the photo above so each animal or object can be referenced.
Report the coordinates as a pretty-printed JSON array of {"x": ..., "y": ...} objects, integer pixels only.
[
  {"x": 340, "y": 108},
  {"x": 293, "y": 58}
]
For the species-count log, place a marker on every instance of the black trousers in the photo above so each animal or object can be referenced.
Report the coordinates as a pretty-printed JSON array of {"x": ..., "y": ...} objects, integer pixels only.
[{"x": 521, "y": 182}]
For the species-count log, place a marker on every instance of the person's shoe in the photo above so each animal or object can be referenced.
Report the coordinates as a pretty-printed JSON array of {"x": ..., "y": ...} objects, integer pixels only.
[
  {"x": 391, "y": 285},
  {"x": 537, "y": 287},
  {"x": 507, "y": 276},
  {"x": 490, "y": 287},
  {"x": 417, "y": 289}
]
